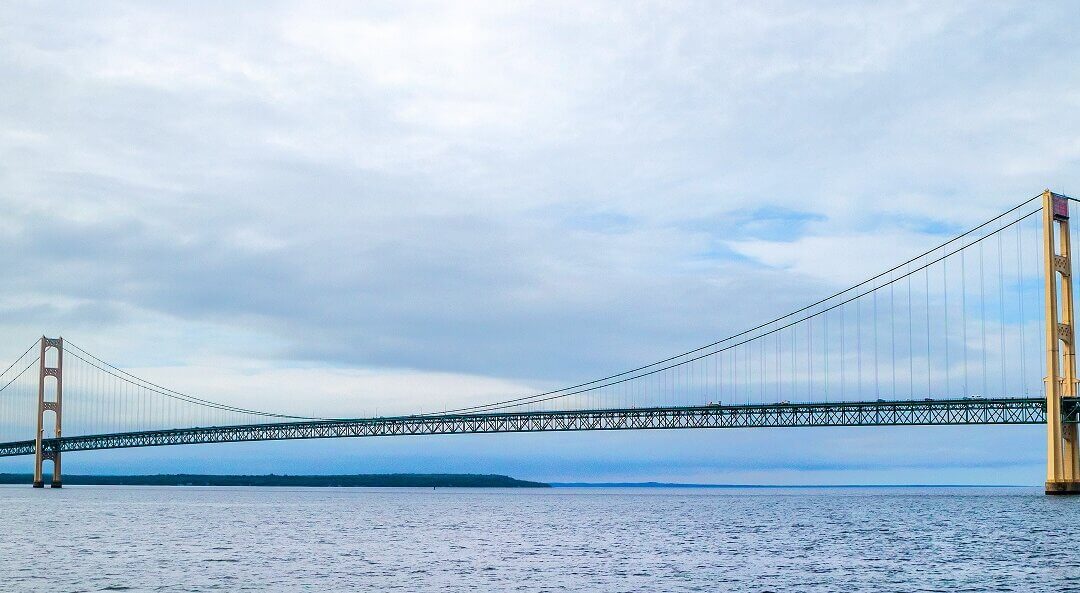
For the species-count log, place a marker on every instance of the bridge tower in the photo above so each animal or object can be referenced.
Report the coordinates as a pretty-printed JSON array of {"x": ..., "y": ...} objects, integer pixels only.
[
  {"x": 1062, "y": 456},
  {"x": 54, "y": 402}
]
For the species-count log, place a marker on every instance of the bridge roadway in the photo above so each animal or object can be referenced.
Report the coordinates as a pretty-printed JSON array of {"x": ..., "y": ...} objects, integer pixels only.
[{"x": 878, "y": 413}]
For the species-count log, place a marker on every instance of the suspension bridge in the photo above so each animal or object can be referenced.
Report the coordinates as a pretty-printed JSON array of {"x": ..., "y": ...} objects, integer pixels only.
[{"x": 975, "y": 331}]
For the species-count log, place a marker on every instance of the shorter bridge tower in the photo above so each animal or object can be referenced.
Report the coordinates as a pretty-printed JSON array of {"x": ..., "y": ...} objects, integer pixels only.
[
  {"x": 1062, "y": 457},
  {"x": 53, "y": 402}
]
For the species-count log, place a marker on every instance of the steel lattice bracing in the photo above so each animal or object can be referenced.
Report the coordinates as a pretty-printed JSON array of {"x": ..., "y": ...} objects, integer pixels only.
[{"x": 889, "y": 413}]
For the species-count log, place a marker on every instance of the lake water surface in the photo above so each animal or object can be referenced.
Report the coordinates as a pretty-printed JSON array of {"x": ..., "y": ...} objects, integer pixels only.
[{"x": 96, "y": 538}]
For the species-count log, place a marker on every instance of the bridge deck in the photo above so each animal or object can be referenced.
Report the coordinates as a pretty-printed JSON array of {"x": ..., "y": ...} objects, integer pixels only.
[{"x": 878, "y": 413}]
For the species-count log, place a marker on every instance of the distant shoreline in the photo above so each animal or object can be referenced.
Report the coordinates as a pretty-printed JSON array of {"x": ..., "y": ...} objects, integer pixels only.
[
  {"x": 328, "y": 481},
  {"x": 771, "y": 486},
  {"x": 428, "y": 481}
]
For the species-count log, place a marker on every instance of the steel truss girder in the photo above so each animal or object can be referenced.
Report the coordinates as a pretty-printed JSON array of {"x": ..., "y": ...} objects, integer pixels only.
[{"x": 883, "y": 413}]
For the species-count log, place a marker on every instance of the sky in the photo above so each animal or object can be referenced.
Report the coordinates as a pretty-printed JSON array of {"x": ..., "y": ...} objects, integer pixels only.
[{"x": 347, "y": 208}]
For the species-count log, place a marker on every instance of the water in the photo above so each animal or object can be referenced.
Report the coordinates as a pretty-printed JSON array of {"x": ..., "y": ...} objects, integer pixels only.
[{"x": 94, "y": 538}]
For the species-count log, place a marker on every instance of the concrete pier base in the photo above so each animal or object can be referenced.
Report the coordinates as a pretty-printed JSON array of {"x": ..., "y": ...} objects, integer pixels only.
[{"x": 1065, "y": 488}]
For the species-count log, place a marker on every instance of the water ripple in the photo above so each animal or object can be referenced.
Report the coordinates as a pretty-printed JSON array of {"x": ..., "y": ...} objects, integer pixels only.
[{"x": 240, "y": 539}]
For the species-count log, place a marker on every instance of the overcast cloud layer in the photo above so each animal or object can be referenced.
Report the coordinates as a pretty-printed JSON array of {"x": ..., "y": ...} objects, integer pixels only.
[{"x": 413, "y": 205}]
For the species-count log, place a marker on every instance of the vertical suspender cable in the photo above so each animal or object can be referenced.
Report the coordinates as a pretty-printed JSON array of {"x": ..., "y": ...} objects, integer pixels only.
[
  {"x": 910, "y": 344},
  {"x": 810, "y": 359},
  {"x": 892, "y": 333},
  {"x": 877, "y": 365},
  {"x": 945, "y": 321},
  {"x": 794, "y": 374},
  {"x": 982, "y": 315},
  {"x": 929, "y": 367},
  {"x": 843, "y": 354},
  {"x": 1040, "y": 265},
  {"x": 761, "y": 369},
  {"x": 1020, "y": 305},
  {"x": 776, "y": 365},
  {"x": 963, "y": 310},
  {"x": 747, "y": 383},
  {"x": 1001, "y": 322},
  {"x": 720, "y": 376},
  {"x": 858, "y": 346},
  {"x": 825, "y": 348},
  {"x": 734, "y": 376}
]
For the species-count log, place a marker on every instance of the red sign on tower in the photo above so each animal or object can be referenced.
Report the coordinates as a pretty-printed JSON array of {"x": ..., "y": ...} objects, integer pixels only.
[{"x": 1061, "y": 206}]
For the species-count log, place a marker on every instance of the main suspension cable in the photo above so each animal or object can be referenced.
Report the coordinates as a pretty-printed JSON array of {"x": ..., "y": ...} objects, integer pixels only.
[
  {"x": 556, "y": 394},
  {"x": 137, "y": 381},
  {"x": 761, "y": 325}
]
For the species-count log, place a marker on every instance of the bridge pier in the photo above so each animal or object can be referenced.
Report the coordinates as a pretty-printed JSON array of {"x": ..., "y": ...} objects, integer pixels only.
[
  {"x": 1068, "y": 488},
  {"x": 53, "y": 403},
  {"x": 1062, "y": 454}
]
